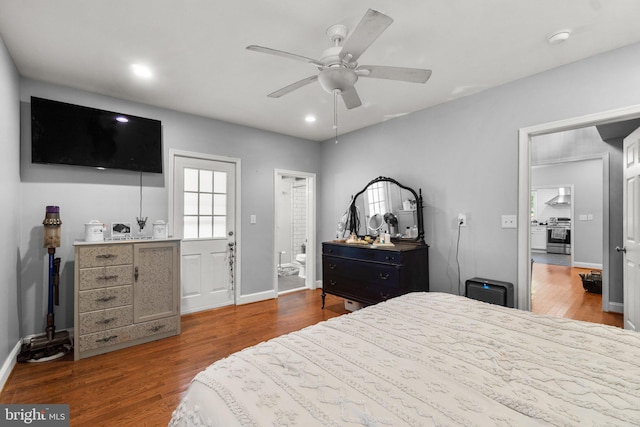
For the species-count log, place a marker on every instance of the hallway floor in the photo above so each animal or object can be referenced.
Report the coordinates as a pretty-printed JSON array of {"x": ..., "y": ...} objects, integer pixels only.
[{"x": 557, "y": 290}]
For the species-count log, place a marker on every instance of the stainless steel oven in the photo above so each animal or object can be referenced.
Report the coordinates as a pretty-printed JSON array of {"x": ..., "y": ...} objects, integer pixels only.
[{"x": 559, "y": 236}]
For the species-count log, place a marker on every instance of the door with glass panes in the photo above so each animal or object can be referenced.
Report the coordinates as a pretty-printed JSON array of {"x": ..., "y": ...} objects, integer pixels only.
[{"x": 204, "y": 201}]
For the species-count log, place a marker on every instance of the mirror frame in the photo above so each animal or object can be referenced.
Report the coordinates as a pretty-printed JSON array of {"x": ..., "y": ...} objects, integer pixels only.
[{"x": 353, "y": 211}]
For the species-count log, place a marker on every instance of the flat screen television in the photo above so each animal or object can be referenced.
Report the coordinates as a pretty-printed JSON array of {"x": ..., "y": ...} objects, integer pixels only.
[{"x": 63, "y": 133}]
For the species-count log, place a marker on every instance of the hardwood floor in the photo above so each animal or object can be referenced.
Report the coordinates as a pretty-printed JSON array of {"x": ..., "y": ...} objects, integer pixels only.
[
  {"x": 557, "y": 290},
  {"x": 142, "y": 385}
]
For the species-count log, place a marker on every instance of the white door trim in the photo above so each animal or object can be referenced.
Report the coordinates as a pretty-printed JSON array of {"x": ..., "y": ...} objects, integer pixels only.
[
  {"x": 311, "y": 226},
  {"x": 173, "y": 153},
  {"x": 524, "y": 184}
]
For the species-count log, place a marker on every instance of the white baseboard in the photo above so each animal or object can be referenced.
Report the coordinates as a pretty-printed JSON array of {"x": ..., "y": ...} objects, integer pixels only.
[
  {"x": 590, "y": 265},
  {"x": 258, "y": 296},
  {"x": 8, "y": 364},
  {"x": 616, "y": 307},
  {"x": 318, "y": 284}
]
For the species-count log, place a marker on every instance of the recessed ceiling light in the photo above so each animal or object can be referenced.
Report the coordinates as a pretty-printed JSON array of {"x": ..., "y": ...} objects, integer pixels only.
[
  {"x": 310, "y": 118},
  {"x": 122, "y": 119},
  {"x": 559, "y": 36},
  {"x": 141, "y": 71}
]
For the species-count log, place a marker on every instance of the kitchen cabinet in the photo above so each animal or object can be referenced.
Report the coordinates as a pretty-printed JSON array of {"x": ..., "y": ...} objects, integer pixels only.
[{"x": 539, "y": 238}]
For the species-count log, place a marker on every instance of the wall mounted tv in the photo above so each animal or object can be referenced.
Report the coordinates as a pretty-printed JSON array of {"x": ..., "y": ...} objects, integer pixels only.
[{"x": 70, "y": 134}]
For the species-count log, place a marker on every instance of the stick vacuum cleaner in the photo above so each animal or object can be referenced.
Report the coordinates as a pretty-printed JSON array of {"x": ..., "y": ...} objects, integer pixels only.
[{"x": 52, "y": 344}]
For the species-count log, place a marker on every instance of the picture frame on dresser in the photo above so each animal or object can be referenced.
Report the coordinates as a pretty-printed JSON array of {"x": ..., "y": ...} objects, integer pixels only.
[{"x": 120, "y": 230}]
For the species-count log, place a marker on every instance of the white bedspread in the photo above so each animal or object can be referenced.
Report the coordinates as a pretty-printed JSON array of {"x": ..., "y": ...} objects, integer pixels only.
[{"x": 426, "y": 359}]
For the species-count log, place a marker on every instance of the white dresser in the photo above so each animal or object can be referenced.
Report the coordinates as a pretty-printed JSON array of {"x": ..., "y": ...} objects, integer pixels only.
[{"x": 126, "y": 293}]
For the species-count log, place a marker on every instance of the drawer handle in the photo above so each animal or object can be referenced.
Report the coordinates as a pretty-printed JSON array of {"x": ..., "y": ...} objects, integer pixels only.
[
  {"x": 384, "y": 296},
  {"x": 383, "y": 276},
  {"x": 106, "y": 299},
  {"x": 333, "y": 282},
  {"x": 106, "y": 321},
  {"x": 390, "y": 258},
  {"x": 106, "y": 256},
  {"x": 112, "y": 277},
  {"x": 329, "y": 250},
  {"x": 156, "y": 328},
  {"x": 332, "y": 266},
  {"x": 107, "y": 339},
  {"x": 135, "y": 274}
]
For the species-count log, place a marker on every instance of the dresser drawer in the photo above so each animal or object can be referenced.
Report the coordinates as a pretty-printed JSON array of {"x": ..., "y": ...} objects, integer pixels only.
[
  {"x": 105, "y": 338},
  {"x": 102, "y": 320},
  {"x": 98, "y": 299},
  {"x": 155, "y": 327},
  {"x": 364, "y": 253},
  {"x": 104, "y": 255},
  {"x": 101, "y": 277},
  {"x": 360, "y": 270},
  {"x": 368, "y": 292}
]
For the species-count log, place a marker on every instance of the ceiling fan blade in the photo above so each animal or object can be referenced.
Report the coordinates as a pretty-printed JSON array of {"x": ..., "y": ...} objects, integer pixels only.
[
  {"x": 366, "y": 32},
  {"x": 293, "y": 86},
  {"x": 351, "y": 98},
  {"x": 413, "y": 75},
  {"x": 284, "y": 54}
]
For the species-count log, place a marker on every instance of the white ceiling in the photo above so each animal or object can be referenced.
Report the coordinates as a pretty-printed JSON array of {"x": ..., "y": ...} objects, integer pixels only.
[{"x": 196, "y": 49}]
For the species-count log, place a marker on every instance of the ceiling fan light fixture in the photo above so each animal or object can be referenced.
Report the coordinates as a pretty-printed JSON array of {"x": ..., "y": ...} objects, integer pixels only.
[
  {"x": 559, "y": 37},
  {"x": 337, "y": 78}
]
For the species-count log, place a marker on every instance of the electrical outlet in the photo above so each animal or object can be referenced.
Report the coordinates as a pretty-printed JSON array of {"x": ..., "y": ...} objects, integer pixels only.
[
  {"x": 509, "y": 221},
  {"x": 253, "y": 219},
  {"x": 462, "y": 220}
]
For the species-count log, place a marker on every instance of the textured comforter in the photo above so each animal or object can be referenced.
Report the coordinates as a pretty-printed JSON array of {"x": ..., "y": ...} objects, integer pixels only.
[{"x": 426, "y": 359}]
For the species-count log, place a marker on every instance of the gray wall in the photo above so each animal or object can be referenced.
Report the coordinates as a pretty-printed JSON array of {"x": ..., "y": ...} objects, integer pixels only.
[
  {"x": 10, "y": 206},
  {"x": 84, "y": 194},
  {"x": 464, "y": 156}
]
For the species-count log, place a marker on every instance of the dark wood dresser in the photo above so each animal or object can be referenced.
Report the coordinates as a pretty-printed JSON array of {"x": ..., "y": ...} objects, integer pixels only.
[{"x": 371, "y": 275}]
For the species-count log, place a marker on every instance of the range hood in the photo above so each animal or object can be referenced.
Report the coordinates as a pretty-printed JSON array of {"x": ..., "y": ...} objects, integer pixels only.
[{"x": 563, "y": 197}]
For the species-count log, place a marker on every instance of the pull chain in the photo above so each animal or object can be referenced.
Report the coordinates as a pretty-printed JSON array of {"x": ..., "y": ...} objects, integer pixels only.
[{"x": 335, "y": 111}]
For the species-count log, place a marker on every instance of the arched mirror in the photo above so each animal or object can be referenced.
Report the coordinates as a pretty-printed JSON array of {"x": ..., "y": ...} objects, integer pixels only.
[{"x": 386, "y": 206}]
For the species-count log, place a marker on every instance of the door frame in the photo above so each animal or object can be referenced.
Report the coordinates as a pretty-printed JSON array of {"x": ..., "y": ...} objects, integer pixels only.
[
  {"x": 173, "y": 153},
  {"x": 310, "y": 281},
  {"x": 524, "y": 184}
]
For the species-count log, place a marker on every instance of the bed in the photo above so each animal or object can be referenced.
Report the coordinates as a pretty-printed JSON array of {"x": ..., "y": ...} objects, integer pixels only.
[{"x": 426, "y": 359}]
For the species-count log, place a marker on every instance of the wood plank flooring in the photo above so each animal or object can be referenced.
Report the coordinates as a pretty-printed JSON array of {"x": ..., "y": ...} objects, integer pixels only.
[
  {"x": 557, "y": 290},
  {"x": 142, "y": 385}
]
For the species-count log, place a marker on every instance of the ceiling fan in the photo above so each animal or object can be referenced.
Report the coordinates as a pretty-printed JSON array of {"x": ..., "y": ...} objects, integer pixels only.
[{"x": 339, "y": 69}]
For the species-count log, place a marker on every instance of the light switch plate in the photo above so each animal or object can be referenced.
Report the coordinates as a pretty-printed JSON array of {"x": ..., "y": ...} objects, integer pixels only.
[
  {"x": 253, "y": 219},
  {"x": 509, "y": 221}
]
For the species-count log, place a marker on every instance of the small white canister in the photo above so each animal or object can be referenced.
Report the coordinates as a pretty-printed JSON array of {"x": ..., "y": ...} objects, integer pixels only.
[
  {"x": 159, "y": 229},
  {"x": 94, "y": 231}
]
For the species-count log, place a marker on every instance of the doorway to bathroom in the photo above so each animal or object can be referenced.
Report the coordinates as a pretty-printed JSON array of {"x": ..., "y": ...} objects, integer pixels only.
[{"x": 294, "y": 228}]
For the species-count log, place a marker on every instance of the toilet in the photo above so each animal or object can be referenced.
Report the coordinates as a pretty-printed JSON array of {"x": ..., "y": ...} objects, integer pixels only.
[{"x": 302, "y": 260}]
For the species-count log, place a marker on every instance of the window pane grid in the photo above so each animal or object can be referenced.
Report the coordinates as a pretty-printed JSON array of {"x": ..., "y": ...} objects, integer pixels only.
[
  {"x": 377, "y": 204},
  {"x": 205, "y": 204}
]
